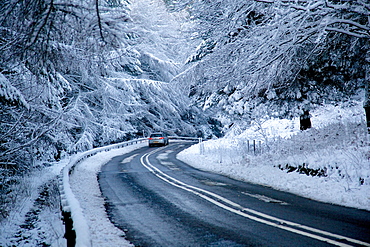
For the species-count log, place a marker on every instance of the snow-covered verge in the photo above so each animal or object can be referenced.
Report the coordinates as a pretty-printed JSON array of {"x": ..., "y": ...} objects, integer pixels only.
[
  {"x": 329, "y": 163},
  {"x": 69, "y": 201},
  {"x": 34, "y": 218},
  {"x": 85, "y": 187}
]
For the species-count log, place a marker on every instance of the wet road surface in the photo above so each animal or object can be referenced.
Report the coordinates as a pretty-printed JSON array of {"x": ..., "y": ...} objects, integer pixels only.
[{"x": 160, "y": 201}]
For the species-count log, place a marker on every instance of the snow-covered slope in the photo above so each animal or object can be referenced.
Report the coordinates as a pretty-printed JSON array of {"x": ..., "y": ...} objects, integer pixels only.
[{"x": 329, "y": 163}]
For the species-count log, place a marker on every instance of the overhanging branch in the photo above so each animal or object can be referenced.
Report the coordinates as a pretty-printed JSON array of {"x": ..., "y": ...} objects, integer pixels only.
[
  {"x": 99, "y": 19},
  {"x": 338, "y": 30}
]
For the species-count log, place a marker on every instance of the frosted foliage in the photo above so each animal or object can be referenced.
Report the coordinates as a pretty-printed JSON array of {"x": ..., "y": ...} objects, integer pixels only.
[
  {"x": 125, "y": 106},
  {"x": 51, "y": 57},
  {"x": 10, "y": 94},
  {"x": 74, "y": 76},
  {"x": 158, "y": 39},
  {"x": 284, "y": 54},
  {"x": 163, "y": 34},
  {"x": 61, "y": 99}
]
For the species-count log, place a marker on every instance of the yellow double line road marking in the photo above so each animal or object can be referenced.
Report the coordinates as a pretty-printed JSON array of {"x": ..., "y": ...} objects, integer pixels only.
[{"x": 251, "y": 214}]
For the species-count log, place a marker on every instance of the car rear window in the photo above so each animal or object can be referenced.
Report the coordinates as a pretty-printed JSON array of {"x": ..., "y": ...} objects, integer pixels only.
[{"x": 156, "y": 135}]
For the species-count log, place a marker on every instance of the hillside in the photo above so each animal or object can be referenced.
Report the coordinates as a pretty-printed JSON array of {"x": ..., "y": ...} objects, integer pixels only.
[{"x": 329, "y": 163}]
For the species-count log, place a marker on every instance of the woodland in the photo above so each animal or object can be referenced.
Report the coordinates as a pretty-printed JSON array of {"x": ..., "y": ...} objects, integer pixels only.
[{"x": 81, "y": 74}]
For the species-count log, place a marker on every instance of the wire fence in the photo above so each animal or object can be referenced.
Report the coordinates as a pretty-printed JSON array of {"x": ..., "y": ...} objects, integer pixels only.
[{"x": 234, "y": 151}]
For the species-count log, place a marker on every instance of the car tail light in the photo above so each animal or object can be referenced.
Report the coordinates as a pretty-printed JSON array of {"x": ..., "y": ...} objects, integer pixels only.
[
  {"x": 161, "y": 137},
  {"x": 150, "y": 138}
]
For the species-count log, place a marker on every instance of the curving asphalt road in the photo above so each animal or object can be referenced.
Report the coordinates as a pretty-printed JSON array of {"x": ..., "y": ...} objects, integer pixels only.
[{"x": 160, "y": 201}]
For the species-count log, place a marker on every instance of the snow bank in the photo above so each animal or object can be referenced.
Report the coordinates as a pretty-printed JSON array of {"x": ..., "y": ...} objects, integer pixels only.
[
  {"x": 68, "y": 198},
  {"x": 85, "y": 187},
  {"x": 18, "y": 229},
  {"x": 337, "y": 145}
]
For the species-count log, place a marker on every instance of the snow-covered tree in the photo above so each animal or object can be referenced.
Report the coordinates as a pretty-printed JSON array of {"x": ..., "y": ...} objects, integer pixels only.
[
  {"x": 79, "y": 74},
  {"x": 69, "y": 77},
  {"x": 50, "y": 53},
  {"x": 337, "y": 64},
  {"x": 278, "y": 57}
]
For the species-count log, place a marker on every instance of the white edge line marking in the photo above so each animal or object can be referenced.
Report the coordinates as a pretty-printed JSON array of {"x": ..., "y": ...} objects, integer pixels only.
[
  {"x": 129, "y": 159},
  {"x": 265, "y": 198},
  {"x": 196, "y": 190}
]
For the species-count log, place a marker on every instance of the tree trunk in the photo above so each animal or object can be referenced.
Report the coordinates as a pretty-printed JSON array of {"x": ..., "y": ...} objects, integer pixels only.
[
  {"x": 367, "y": 112},
  {"x": 367, "y": 102},
  {"x": 305, "y": 120},
  {"x": 367, "y": 92}
]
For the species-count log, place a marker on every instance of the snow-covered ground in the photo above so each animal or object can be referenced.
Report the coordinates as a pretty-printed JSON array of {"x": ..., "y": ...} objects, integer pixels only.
[
  {"x": 336, "y": 141},
  {"x": 227, "y": 156},
  {"x": 35, "y": 219},
  {"x": 34, "y": 216},
  {"x": 85, "y": 187},
  {"x": 336, "y": 146}
]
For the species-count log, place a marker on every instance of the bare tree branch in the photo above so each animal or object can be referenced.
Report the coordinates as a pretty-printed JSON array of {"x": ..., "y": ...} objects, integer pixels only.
[
  {"x": 34, "y": 38},
  {"x": 99, "y": 19}
]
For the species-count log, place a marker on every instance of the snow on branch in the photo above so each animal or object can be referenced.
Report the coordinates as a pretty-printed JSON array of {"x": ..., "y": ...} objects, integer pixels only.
[
  {"x": 333, "y": 14},
  {"x": 356, "y": 7},
  {"x": 42, "y": 24},
  {"x": 362, "y": 31},
  {"x": 346, "y": 32},
  {"x": 349, "y": 22},
  {"x": 358, "y": 30},
  {"x": 11, "y": 94},
  {"x": 292, "y": 4}
]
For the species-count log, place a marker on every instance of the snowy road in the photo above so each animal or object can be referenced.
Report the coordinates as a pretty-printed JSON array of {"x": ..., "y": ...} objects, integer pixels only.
[{"x": 160, "y": 201}]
